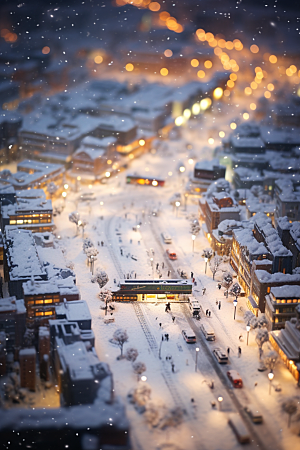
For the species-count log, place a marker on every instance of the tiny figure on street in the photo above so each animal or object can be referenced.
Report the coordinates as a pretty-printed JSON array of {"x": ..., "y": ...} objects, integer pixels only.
[
  {"x": 125, "y": 215},
  {"x": 209, "y": 313},
  {"x": 102, "y": 243},
  {"x": 135, "y": 275},
  {"x": 159, "y": 325},
  {"x": 162, "y": 265},
  {"x": 203, "y": 290},
  {"x": 220, "y": 304},
  {"x": 228, "y": 351},
  {"x": 219, "y": 285},
  {"x": 98, "y": 243},
  {"x": 173, "y": 319},
  {"x": 193, "y": 280},
  {"x": 157, "y": 266},
  {"x": 217, "y": 302},
  {"x": 173, "y": 367},
  {"x": 240, "y": 351},
  {"x": 166, "y": 309},
  {"x": 240, "y": 337},
  {"x": 130, "y": 241},
  {"x": 192, "y": 274},
  {"x": 206, "y": 312},
  {"x": 168, "y": 273},
  {"x": 121, "y": 251},
  {"x": 212, "y": 384}
]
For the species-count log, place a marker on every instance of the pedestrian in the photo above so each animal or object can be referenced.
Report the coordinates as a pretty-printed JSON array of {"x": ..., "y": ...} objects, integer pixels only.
[
  {"x": 167, "y": 336},
  {"x": 162, "y": 265},
  {"x": 193, "y": 280},
  {"x": 168, "y": 273},
  {"x": 219, "y": 285},
  {"x": 160, "y": 276},
  {"x": 220, "y": 304},
  {"x": 159, "y": 325},
  {"x": 166, "y": 309},
  {"x": 130, "y": 241},
  {"x": 135, "y": 275},
  {"x": 240, "y": 351},
  {"x": 228, "y": 351},
  {"x": 125, "y": 215},
  {"x": 157, "y": 266},
  {"x": 173, "y": 367},
  {"x": 192, "y": 274},
  {"x": 203, "y": 290},
  {"x": 121, "y": 251},
  {"x": 212, "y": 384},
  {"x": 209, "y": 313},
  {"x": 102, "y": 243},
  {"x": 206, "y": 312},
  {"x": 173, "y": 319},
  {"x": 98, "y": 243},
  {"x": 216, "y": 302},
  {"x": 240, "y": 337},
  {"x": 162, "y": 338}
]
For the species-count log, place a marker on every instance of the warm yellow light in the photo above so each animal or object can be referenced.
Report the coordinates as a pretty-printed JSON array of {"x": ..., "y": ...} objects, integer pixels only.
[
  {"x": 226, "y": 93},
  {"x": 205, "y": 103},
  {"x": 293, "y": 68},
  {"x": 181, "y": 169},
  {"x": 201, "y": 74},
  {"x": 78, "y": 178},
  {"x": 253, "y": 106},
  {"x": 245, "y": 116},
  {"x": 131, "y": 156},
  {"x": 208, "y": 64},
  {"x": 211, "y": 141},
  {"x": 253, "y": 85},
  {"x": 224, "y": 58},
  {"x": 209, "y": 37},
  {"x": 221, "y": 43},
  {"x": 270, "y": 87},
  {"x": 164, "y": 72},
  {"x": 289, "y": 72},
  {"x": 168, "y": 53},
  {"x": 187, "y": 113},
  {"x": 66, "y": 186},
  {"x": 267, "y": 94},
  {"x": 98, "y": 59},
  {"x": 191, "y": 161},
  {"x": 46, "y": 50},
  {"x": 235, "y": 68},
  {"x": 179, "y": 121},
  {"x": 218, "y": 93},
  {"x": 248, "y": 91},
  {"x": 194, "y": 63},
  {"x": 217, "y": 51},
  {"x": 221, "y": 134},
  {"x": 90, "y": 186},
  {"x": 64, "y": 194},
  {"x": 107, "y": 174},
  {"x": 129, "y": 67},
  {"x": 170, "y": 174},
  {"x": 154, "y": 6},
  {"x": 164, "y": 15},
  {"x": 196, "y": 108},
  {"x": 200, "y": 32},
  {"x": 258, "y": 69},
  {"x": 154, "y": 183},
  {"x": 254, "y": 48},
  {"x": 259, "y": 75},
  {"x": 213, "y": 43},
  {"x": 233, "y": 125},
  {"x": 109, "y": 161},
  {"x": 273, "y": 59},
  {"x": 230, "y": 83},
  {"x": 229, "y": 45},
  {"x": 142, "y": 142},
  {"x": 298, "y": 92},
  {"x": 233, "y": 76}
]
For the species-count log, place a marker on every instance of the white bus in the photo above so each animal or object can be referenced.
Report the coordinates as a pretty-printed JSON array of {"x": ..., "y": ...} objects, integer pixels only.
[
  {"x": 194, "y": 306},
  {"x": 239, "y": 428}
]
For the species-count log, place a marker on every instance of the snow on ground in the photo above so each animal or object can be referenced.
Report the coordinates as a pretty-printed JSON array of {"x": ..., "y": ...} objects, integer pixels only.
[{"x": 202, "y": 423}]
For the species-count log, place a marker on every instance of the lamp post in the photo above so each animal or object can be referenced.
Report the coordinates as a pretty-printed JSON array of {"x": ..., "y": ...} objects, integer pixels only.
[
  {"x": 177, "y": 204},
  {"x": 220, "y": 399},
  {"x": 197, "y": 351},
  {"x": 193, "y": 240},
  {"x": 64, "y": 195},
  {"x": 143, "y": 378},
  {"x": 205, "y": 259},
  {"x": 248, "y": 328},
  {"x": 234, "y": 304},
  {"x": 270, "y": 376},
  {"x": 151, "y": 260},
  {"x": 79, "y": 225}
]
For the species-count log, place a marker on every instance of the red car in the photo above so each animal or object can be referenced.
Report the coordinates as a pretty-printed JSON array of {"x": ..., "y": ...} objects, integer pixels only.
[
  {"x": 171, "y": 255},
  {"x": 235, "y": 378}
]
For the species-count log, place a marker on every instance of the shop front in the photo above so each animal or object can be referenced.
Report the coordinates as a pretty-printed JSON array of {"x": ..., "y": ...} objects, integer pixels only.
[{"x": 153, "y": 291}]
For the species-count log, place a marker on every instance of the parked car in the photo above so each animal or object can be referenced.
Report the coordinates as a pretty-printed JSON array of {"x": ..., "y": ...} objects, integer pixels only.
[
  {"x": 172, "y": 255},
  {"x": 188, "y": 335},
  {"x": 254, "y": 414},
  {"x": 182, "y": 273},
  {"x": 220, "y": 355}
]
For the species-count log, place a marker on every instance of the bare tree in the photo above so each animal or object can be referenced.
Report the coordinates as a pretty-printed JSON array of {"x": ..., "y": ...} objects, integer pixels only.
[
  {"x": 120, "y": 336},
  {"x": 82, "y": 223},
  {"x": 91, "y": 254},
  {"x": 131, "y": 354},
  {"x": 227, "y": 282},
  {"x": 290, "y": 407},
  {"x": 138, "y": 368},
  {"x": 262, "y": 321},
  {"x": 214, "y": 264},
  {"x": 262, "y": 336},
  {"x": 74, "y": 217},
  {"x": 100, "y": 277},
  {"x": 235, "y": 290},
  {"x": 70, "y": 265},
  {"x": 270, "y": 360}
]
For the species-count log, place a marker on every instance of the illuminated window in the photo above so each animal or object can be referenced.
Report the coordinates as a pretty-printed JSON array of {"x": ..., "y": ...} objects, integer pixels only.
[
  {"x": 12, "y": 222},
  {"x": 39, "y": 302},
  {"x": 31, "y": 302},
  {"x": 48, "y": 313},
  {"x": 19, "y": 222},
  {"x": 39, "y": 313},
  {"x": 48, "y": 301}
]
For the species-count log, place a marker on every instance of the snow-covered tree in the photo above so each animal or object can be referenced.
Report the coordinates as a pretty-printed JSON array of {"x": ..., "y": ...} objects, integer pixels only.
[
  {"x": 173, "y": 418},
  {"x": 87, "y": 243},
  {"x": 131, "y": 354},
  {"x": 214, "y": 264},
  {"x": 227, "y": 282},
  {"x": 106, "y": 297},
  {"x": 155, "y": 410},
  {"x": 120, "y": 336},
  {"x": 140, "y": 396},
  {"x": 82, "y": 223},
  {"x": 52, "y": 188},
  {"x": 290, "y": 407},
  {"x": 91, "y": 251},
  {"x": 207, "y": 253},
  {"x": 262, "y": 321},
  {"x": 100, "y": 277},
  {"x": 270, "y": 360},
  {"x": 138, "y": 368},
  {"x": 262, "y": 336},
  {"x": 28, "y": 337},
  {"x": 74, "y": 217},
  {"x": 70, "y": 265},
  {"x": 235, "y": 290}
]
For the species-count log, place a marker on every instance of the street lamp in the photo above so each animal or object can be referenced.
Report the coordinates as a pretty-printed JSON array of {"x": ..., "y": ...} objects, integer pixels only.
[
  {"x": 234, "y": 304},
  {"x": 220, "y": 399},
  {"x": 270, "y": 376},
  {"x": 151, "y": 259},
  {"x": 193, "y": 240},
  {"x": 197, "y": 351},
  {"x": 248, "y": 328},
  {"x": 64, "y": 195},
  {"x": 143, "y": 378},
  {"x": 177, "y": 204}
]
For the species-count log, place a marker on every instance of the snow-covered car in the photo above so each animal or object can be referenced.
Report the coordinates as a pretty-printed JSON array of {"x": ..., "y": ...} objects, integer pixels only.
[
  {"x": 254, "y": 414},
  {"x": 182, "y": 273},
  {"x": 220, "y": 355}
]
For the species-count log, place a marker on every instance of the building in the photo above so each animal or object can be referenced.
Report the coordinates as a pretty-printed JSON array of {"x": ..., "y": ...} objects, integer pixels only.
[
  {"x": 221, "y": 238},
  {"x": 40, "y": 299},
  {"x": 218, "y": 208},
  {"x": 287, "y": 343},
  {"x": 152, "y": 290},
  {"x": 27, "y": 358},
  {"x": 289, "y": 233},
  {"x": 262, "y": 280},
  {"x": 75, "y": 311},
  {"x": 280, "y": 305},
  {"x": 205, "y": 172},
  {"x": 287, "y": 199},
  {"x": 13, "y": 322}
]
